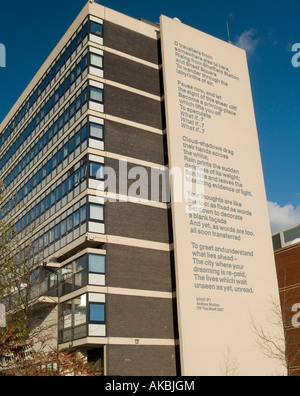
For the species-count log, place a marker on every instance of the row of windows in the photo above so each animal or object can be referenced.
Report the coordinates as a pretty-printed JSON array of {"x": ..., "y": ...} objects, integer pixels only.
[
  {"x": 44, "y": 170},
  {"x": 95, "y": 61},
  {"x": 78, "y": 312},
  {"x": 81, "y": 272},
  {"x": 66, "y": 228},
  {"x": 53, "y": 71},
  {"x": 91, "y": 93},
  {"x": 73, "y": 220},
  {"x": 71, "y": 277},
  {"x": 92, "y": 263},
  {"x": 65, "y": 184},
  {"x": 32, "y": 217},
  {"x": 54, "y": 98},
  {"x": 30, "y": 128}
]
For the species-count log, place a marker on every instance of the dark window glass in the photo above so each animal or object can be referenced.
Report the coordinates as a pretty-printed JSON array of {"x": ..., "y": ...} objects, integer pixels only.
[
  {"x": 96, "y": 94},
  {"x": 71, "y": 183},
  {"x": 65, "y": 188},
  {"x": 59, "y": 156},
  {"x": 48, "y": 202},
  {"x": 77, "y": 139},
  {"x": 58, "y": 194},
  {"x": 96, "y": 28},
  {"x": 52, "y": 234},
  {"x": 96, "y": 131},
  {"x": 96, "y": 171},
  {"x": 57, "y": 232},
  {"x": 63, "y": 228},
  {"x": 83, "y": 214},
  {"x": 76, "y": 219},
  {"x": 96, "y": 60},
  {"x": 96, "y": 263},
  {"x": 72, "y": 109},
  {"x": 66, "y": 150},
  {"x": 96, "y": 212},
  {"x": 97, "y": 313},
  {"x": 83, "y": 133},
  {"x": 70, "y": 223}
]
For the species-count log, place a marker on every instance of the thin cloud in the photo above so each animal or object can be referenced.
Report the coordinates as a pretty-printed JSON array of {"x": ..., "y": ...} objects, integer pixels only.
[
  {"x": 248, "y": 41},
  {"x": 271, "y": 38},
  {"x": 282, "y": 217}
]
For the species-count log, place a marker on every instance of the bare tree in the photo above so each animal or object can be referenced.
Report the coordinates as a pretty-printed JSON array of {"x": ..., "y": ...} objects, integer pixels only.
[
  {"x": 276, "y": 342},
  {"x": 230, "y": 365},
  {"x": 27, "y": 344}
]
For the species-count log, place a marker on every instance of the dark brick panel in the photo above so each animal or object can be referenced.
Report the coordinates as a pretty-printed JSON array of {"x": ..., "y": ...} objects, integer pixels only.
[
  {"x": 139, "y": 317},
  {"x": 136, "y": 143},
  {"x": 133, "y": 74},
  {"x": 142, "y": 360},
  {"x": 137, "y": 268},
  {"x": 131, "y": 42},
  {"x": 138, "y": 221},
  {"x": 133, "y": 107},
  {"x": 138, "y": 181}
]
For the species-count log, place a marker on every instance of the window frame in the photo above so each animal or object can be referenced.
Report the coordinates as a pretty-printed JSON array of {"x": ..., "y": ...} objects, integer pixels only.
[
  {"x": 89, "y": 213},
  {"x": 94, "y": 321}
]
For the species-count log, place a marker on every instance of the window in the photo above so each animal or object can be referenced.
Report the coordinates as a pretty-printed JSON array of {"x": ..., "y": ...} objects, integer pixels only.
[
  {"x": 57, "y": 232},
  {"x": 66, "y": 314},
  {"x": 96, "y": 131},
  {"x": 97, "y": 313},
  {"x": 65, "y": 188},
  {"x": 63, "y": 228},
  {"x": 77, "y": 178},
  {"x": 96, "y": 94},
  {"x": 96, "y": 60},
  {"x": 70, "y": 223},
  {"x": 83, "y": 214},
  {"x": 71, "y": 145},
  {"x": 58, "y": 193},
  {"x": 80, "y": 264},
  {"x": 83, "y": 172},
  {"x": 96, "y": 171},
  {"x": 76, "y": 219},
  {"x": 84, "y": 133},
  {"x": 96, "y": 263},
  {"x": 53, "y": 197},
  {"x": 66, "y": 272},
  {"x": 96, "y": 28},
  {"x": 66, "y": 151},
  {"x": 70, "y": 183},
  {"x": 59, "y": 156},
  {"x": 77, "y": 139},
  {"x": 48, "y": 201},
  {"x": 52, "y": 236},
  {"x": 80, "y": 310},
  {"x": 96, "y": 212}
]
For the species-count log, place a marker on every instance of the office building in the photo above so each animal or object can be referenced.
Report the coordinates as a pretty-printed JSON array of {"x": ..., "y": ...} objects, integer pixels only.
[
  {"x": 115, "y": 264},
  {"x": 287, "y": 255},
  {"x": 105, "y": 270}
]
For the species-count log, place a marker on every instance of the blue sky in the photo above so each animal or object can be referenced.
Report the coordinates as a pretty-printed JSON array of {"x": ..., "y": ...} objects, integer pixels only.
[{"x": 266, "y": 29}]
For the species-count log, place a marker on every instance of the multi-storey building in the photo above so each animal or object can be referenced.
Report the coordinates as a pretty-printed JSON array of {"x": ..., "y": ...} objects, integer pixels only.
[
  {"x": 287, "y": 255},
  {"x": 137, "y": 282},
  {"x": 105, "y": 269}
]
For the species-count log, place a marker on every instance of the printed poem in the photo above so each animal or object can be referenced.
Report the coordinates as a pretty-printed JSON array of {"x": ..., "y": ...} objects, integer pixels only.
[{"x": 221, "y": 210}]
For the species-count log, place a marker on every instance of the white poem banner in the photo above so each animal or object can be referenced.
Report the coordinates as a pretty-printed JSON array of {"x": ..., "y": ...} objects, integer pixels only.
[{"x": 224, "y": 263}]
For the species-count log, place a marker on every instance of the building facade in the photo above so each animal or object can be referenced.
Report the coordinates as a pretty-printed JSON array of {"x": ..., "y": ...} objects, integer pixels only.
[
  {"x": 136, "y": 282},
  {"x": 104, "y": 268},
  {"x": 287, "y": 255}
]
